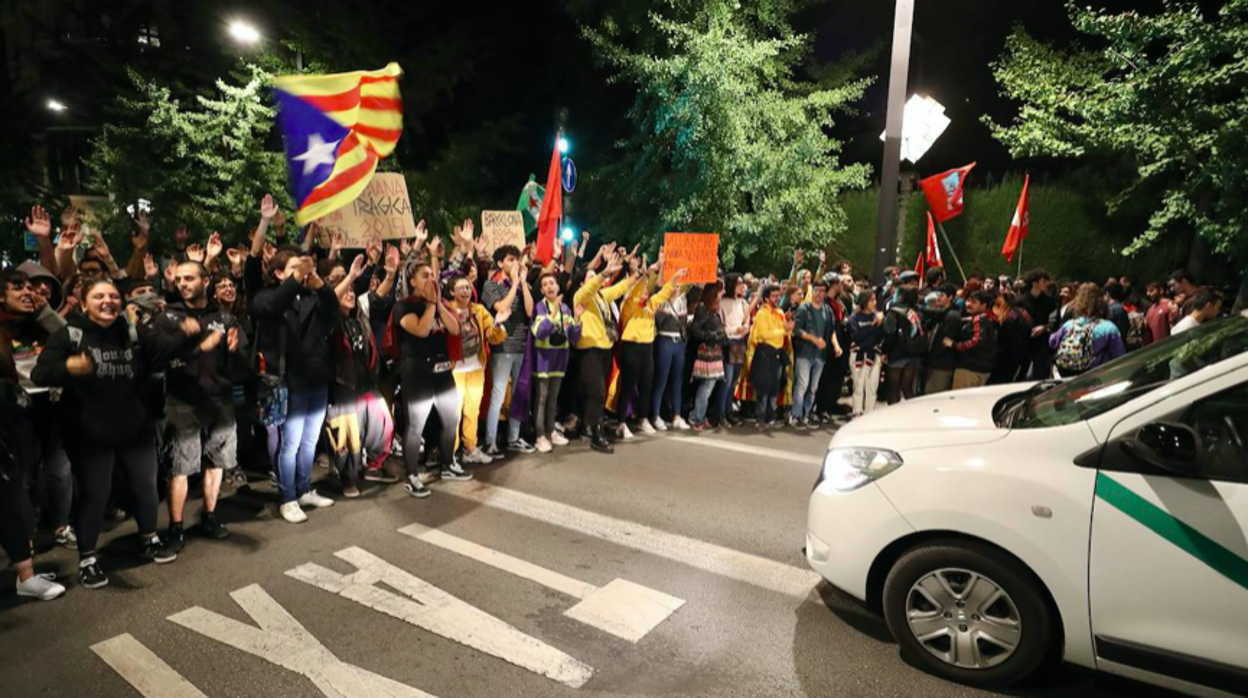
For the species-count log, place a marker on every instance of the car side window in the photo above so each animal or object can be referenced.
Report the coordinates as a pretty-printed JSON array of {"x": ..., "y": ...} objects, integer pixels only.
[{"x": 1221, "y": 420}]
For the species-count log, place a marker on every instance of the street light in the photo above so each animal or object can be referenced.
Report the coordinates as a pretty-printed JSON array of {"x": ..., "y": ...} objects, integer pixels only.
[
  {"x": 924, "y": 121},
  {"x": 57, "y": 106},
  {"x": 567, "y": 235},
  {"x": 563, "y": 146},
  {"x": 244, "y": 32}
]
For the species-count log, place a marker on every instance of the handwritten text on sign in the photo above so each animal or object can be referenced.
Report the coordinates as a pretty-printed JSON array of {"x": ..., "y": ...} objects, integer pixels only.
[
  {"x": 697, "y": 252},
  {"x": 500, "y": 228},
  {"x": 382, "y": 210}
]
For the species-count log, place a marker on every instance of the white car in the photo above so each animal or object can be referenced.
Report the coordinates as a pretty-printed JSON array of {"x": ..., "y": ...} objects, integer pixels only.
[{"x": 1103, "y": 520}]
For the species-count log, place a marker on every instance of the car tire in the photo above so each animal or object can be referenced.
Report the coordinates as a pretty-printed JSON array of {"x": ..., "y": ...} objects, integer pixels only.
[{"x": 1022, "y": 618}]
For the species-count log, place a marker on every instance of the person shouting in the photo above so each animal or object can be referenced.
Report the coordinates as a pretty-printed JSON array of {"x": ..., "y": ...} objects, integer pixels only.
[{"x": 555, "y": 329}]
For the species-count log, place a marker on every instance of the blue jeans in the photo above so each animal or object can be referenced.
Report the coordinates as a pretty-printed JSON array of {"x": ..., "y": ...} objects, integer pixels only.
[
  {"x": 806, "y": 375},
  {"x": 669, "y": 371},
  {"x": 731, "y": 373},
  {"x": 700, "y": 401},
  {"x": 305, "y": 414},
  {"x": 503, "y": 367}
]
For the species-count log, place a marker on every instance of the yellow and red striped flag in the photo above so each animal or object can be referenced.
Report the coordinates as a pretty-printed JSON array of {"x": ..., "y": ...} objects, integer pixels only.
[{"x": 336, "y": 127}]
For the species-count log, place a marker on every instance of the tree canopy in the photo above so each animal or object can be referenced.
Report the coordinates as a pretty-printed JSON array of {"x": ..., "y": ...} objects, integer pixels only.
[{"x": 1169, "y": 91}]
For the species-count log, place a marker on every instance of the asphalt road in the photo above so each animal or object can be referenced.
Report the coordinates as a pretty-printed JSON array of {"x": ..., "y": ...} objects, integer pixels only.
[{"x": 537, "y": 543}]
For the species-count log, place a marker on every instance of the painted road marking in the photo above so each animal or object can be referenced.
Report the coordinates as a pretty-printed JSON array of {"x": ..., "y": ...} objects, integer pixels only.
[
  {"x": 726, "y": 562},
  {"x": 768, "y": 453},
  {"x": 624, "y": 609},
  {"x": 432, "y": 609},
  {"x": 142, "y": 669},
  {"x": 283, "y": 641}
]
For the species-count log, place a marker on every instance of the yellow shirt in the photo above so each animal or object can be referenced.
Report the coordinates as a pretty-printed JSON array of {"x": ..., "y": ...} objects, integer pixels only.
[
  {"x": 596, "y": 301},
  {"x": 639, "y": 319},
  {"x": 768, "y": 328}
]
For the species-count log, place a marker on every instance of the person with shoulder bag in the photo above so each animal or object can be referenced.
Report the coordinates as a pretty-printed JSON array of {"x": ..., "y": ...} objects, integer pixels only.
[{"x": 707, "y": 331}]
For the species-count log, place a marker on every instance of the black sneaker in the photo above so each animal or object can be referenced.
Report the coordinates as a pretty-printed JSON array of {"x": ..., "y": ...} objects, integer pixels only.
[
  {"x": 416, "y": 488},
  {"x": 493, "y": 451},
  {"x": 156, "y": 551},
  {"x": 455, "y": 472},
  {"x": 520, "y": 446},
  {"x": 175, "y": 538},
  {"x": 212, "y": 527},
  {"x": 598, "y": 441},
  {"x": 90, "y": 575}
]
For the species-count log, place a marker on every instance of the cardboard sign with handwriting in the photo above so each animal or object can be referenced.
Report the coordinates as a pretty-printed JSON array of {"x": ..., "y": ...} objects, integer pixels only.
[
  {"x": 697, "y": 252},
  {"x": 382, "y": 210},
  {"x": 500, "y": 228}
]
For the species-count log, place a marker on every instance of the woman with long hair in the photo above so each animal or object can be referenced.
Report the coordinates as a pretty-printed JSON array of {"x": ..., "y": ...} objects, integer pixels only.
[
  {"x": 707, "y": 332},
  {"x": 1087, "y": 339}
]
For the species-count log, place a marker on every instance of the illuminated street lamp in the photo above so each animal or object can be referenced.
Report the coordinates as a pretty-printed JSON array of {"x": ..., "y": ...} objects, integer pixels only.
[
  {"x": 244, "y": 32},
  {"x": 57, "y": 106},
  {"x": 563, "y": 145},
  {"x": 923, "y": 123}
]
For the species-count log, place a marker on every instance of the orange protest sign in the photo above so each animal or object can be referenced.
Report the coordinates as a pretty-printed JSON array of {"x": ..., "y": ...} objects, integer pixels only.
[{"x": 697, "y": 252}]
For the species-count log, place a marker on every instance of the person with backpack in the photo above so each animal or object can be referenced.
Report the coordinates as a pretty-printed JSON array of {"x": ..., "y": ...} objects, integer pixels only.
[
  {"x": 102, "y": 365},
  {"x": 977, "y": 346},
  {"x": 1087, "y": 339},
  {"x": 905, "y": 344},
  {"x": 943, "y": 321}
]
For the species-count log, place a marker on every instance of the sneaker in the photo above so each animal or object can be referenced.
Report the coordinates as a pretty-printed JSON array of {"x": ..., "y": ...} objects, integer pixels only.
[
  {"x": 598, "y": 440},
  {"x": 312, "y": 499},
  {"x": 322, "y": 461},
  {"x": 351, "y": 492},
  {"x": 701, "y": 426},
  {"x": 520, "y": 446},
  {"x": 477, "y": 457},
  {"x": 570, "y": 424},
  {"x": 175, "y": 538},
  {"x": 40, "y": 587},
  {"x": 680, "y": 424},
  {"x": 494, "y": 452},
  {"x": 557, "y": 439},
  {"x": 66, "y": 538},
  {"x": 646, "y": 427},
  {"x": 380, "y": 475},
  {"x": 90, "y": 575},
  {"x": 396, "y": 447},
  {"x": 156, "y": 551},
  {"x": 237, "y": 478},
  {"x": 455, "y": 472},
  {"x": 292, "y": 512},
  {"x": 624, "y": 432},
  {"x": 543, "y": 445},
  {"x": 791, "y": 422},
  {"x": 212, "y": 527},
  {"x": 659, "y": 424},
  {"x": 416, "y": 488}
]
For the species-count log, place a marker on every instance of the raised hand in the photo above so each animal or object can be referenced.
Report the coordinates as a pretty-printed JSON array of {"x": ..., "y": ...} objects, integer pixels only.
[
  {"x": 70, "y": 218},
  {"x": 373, "y": 250},
  {"x": 143, "y": 221},
  {"x": 823, "y": 257},
  {"x": 336, "y": 241},
  {"x": 268, "y": 208},
  {"x": 69, "y": 239},
  {"x": 392, "y": 259},
  {"x": 79, "y": 365},
  {"x": 405, "y": 248},
  {"x": 195, "y": 253},
  {"x": 150, "y": 267},
  {"x": 171, "y": 276},
  {"x": 470, "y": 230},
  {"x": 190, "y": 327},
  {"x": 39, "y": 223},
  {"x": 101, "y": 247},
  {"x": 435, "y": 247},
  {"x": 214, "y": 247},
  {"x": 357, "y": 267},
  {"x": 798, "y": 256},
  {"x": 422, "y": 234},
  {"x": 503, "y": 316},
  {"x": 479, "y": 246},
  {"x": 235, "y": 256},
  {"x": 680, "y": 274}
]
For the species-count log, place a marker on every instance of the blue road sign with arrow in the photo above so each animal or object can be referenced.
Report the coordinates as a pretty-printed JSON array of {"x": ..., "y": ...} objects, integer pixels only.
[{"x": 568, "y": 175}]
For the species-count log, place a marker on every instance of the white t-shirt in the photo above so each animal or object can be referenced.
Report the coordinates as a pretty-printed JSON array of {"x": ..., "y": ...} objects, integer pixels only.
[
  {"x": 1184, "y": 325},
  {"x": 736, "y": 312}
]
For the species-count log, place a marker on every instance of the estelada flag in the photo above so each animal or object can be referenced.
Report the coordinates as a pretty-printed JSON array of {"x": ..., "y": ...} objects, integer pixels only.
[
  {"x": 1018, "y": 227},
  {"x": 933, "y": 245},
  {"x": 944, "y": 192},
  {"x": 336, "y": 127},
  {"x": 552, "y": 210}
]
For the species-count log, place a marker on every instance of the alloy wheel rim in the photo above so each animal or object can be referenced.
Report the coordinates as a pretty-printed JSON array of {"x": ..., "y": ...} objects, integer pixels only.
[{"x": 963, "y": 618}]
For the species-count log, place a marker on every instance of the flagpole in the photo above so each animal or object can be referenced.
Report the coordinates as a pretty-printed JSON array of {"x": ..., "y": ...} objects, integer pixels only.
[
  {"x": 1021, "y": 243},
  {"x": 952, "y": 251}
]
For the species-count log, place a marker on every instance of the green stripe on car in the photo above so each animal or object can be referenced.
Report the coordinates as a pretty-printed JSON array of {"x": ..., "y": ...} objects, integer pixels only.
[{"x": 1186, "y": 538}]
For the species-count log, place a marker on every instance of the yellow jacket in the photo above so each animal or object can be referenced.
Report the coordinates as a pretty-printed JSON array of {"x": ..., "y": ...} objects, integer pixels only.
[
  {"x": 639, "y": 319},
  {"x": 490, "y": 332},
  {"x": 596, "y": 301},
  {"x": 768, "y": 328}
]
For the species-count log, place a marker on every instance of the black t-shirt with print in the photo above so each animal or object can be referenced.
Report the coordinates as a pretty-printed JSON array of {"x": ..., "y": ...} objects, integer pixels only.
[{"x": 428, "y": 354}]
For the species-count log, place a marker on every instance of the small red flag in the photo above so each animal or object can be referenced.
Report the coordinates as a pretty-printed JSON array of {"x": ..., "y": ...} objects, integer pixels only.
[
  {"x": 552, "y": 210},
  {"x": 1018, "y": 227},
  {"x": 933, "y": 245},
  {"x": 944, "y": 192},
  {"x": 918, "y": 266}
]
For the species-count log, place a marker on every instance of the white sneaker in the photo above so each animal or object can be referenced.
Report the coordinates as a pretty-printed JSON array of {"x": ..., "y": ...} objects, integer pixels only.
[
  {"x": 646, "y": 427},
  {"x": 557, "y": 439},
  {"x": 40, "y": 587},
  {"x": 680, "y": 424},
  {"x": 624, "y": 431},
  {"x": 312, "y": 499},
  {"x": 543, "y": 445},
  {"x": 660, "y": 424},
  {"x": 477, "y": 457},
  {"x": 292, "y": 513}
]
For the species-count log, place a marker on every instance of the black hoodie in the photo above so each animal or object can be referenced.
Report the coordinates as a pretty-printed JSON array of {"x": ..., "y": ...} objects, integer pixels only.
[
  {"x": 196, "y": 376},
  {"x": 108, "y": 405},
  {"x": 306, "y": 317}
]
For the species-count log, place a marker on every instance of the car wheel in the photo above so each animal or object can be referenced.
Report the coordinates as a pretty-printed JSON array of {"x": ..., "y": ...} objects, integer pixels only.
[{"x": 968, "y": 613}]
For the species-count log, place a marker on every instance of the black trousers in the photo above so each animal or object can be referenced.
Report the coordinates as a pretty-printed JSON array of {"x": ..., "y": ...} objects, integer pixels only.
[
  {"x": 636, "y": 373},
  {"x": 424, "y": 393},
  {"x": 18, "y": 447},
  {"x": 93, "y": 465},
  {"x": 595, "y": 367}
]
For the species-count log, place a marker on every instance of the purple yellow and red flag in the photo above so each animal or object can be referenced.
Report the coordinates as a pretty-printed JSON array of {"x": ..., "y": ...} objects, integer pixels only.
[{"x": 337, "y": 128}]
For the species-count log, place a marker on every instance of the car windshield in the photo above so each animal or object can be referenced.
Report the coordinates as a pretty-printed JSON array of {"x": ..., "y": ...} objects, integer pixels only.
[{"x": 1117, "y": 382}]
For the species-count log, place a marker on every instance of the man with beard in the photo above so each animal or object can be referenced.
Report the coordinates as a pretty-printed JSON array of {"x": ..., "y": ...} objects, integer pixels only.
[{"x": 199, "y": 406}]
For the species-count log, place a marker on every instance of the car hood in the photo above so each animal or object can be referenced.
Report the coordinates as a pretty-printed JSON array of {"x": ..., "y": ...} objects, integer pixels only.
[{"x": 959, "y": 418}]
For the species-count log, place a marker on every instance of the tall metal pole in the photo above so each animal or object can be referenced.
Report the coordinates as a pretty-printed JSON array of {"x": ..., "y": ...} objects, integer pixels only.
[{"x": 898, "y": 75}]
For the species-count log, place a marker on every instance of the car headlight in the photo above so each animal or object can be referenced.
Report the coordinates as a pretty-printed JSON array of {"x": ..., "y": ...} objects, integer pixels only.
[{"x": 847, "y": 469}]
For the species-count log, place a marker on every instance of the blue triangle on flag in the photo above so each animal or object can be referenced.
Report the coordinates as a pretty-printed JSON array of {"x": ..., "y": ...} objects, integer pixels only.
[{"x": 308, "y": 133}]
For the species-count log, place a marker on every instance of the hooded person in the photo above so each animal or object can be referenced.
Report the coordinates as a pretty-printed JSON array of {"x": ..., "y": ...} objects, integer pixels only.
[{"x": 45, "y": 282}]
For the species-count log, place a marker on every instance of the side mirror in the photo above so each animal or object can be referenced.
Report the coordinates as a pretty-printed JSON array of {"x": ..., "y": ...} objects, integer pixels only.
[{"x": 1171, "y": 446}]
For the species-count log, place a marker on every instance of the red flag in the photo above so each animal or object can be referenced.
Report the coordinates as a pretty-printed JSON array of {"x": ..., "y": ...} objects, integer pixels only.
[
  {"x": 933, "y": 246},
  {"x": 1018, "y": 227},
  {"x": 944, "y": 192},
  {"x": 552, "y": 210},
  {"x": 918, "y": 266}
]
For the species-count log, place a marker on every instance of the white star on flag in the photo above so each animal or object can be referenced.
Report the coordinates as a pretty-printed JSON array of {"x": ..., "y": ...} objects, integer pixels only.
[{"x": 318, "y": 153}]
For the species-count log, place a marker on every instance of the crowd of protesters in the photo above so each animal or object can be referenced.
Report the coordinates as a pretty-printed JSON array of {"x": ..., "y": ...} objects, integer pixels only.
[{"x": 121, "y": 384}]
